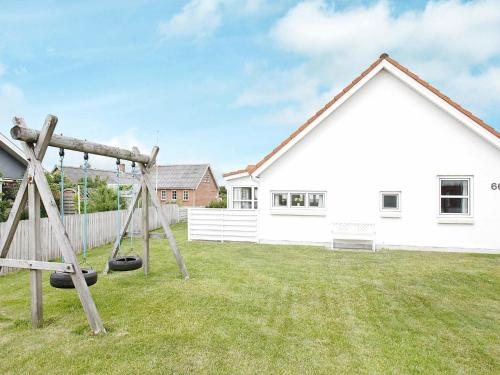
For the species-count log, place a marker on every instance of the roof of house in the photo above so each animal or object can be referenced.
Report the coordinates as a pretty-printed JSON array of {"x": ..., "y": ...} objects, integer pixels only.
[
  {"x": 384, "y": 57},
  {"x": 181, "y": 176},
  {"x": 75, "y": 174},
  {"x": 11, "y": 148}
]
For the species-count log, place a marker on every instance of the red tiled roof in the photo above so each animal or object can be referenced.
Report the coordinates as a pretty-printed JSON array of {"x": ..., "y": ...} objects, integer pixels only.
[{"x": 251, "y": 168}]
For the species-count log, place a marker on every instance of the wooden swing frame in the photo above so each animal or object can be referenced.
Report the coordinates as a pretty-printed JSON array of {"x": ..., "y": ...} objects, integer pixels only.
[{"x": 35, "y": 189}]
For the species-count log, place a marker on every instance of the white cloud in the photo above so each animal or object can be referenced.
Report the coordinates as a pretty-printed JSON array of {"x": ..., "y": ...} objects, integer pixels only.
[
  {"x": 448, "y": 29},
  {"x": 201, "y": 18},
  {"x": 454, "y": 45},
  {"x": 198, "y": 18}
]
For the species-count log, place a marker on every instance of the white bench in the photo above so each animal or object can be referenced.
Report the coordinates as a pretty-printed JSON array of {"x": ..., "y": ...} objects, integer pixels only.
[{"x": 353, "y": 231}]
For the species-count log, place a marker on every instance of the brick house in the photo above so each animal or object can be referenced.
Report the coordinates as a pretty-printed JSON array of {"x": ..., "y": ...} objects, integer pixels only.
[{"x": 186, "y": 184}]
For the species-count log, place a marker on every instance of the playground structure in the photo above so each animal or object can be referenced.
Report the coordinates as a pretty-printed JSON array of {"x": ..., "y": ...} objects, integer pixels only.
[{"x": 34, "y": 190}]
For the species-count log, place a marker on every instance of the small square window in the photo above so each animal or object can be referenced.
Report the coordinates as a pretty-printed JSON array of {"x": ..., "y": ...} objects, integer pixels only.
[{"x": 390, "y": 201}]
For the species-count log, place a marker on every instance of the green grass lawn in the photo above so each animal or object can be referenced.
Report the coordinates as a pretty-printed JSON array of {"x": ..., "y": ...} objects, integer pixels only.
[{"x": 251, "y": 308}]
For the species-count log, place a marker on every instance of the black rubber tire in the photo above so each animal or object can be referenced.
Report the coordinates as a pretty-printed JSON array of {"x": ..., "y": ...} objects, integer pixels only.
[
  {"x": 125, "y": 263},
  {"x": 62, "y": 280}
]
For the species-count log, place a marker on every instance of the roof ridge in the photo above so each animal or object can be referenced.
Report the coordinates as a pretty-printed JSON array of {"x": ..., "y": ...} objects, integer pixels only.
[
  {"x": 384, "y": 56},
  {"x": 183, "y": 165}
]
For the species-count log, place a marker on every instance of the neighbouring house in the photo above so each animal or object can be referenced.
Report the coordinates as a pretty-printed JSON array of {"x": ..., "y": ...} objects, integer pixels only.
[
  {"x": 12, "y": 162},
  {"x": 76, "y": 174},
  {"x": 389, "y": 150},
  {"x": 186, "y": 184}
]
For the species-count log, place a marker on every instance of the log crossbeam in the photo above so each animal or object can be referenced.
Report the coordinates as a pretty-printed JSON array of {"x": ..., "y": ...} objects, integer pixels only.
[{"x": 68, "y": 143}]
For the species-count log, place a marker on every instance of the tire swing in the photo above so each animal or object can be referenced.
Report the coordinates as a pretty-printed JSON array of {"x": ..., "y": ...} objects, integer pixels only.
[
  {"x": 126, "y": 262},
  {"x": 62, "y": 280}
]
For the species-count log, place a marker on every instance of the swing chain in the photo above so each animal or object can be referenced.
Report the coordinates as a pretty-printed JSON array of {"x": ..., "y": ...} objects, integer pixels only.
[
  {"x": 85, "y": 203},
  {"x": 132, "y": 224},
  {"x": 118, "y": 224},
  {"x": 61, "y": 199}
]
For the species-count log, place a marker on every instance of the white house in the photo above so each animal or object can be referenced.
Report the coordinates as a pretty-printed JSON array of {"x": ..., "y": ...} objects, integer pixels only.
[{"x": 389, "y": 151}]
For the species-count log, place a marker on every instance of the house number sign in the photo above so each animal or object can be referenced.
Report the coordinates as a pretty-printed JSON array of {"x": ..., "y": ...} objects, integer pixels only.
[{"x": 495, "y": 186}]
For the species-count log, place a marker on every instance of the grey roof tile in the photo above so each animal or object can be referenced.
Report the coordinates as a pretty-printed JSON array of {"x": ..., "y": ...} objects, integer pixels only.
[{"x": 183, "y": 176}]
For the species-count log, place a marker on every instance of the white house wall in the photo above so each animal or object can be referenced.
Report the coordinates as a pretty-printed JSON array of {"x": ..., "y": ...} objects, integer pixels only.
[{"x": 386, "y": 137}]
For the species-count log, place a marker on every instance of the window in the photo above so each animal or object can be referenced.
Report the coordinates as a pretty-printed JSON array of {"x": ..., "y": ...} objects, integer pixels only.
[
  {"x": 245, "y": 197},
  {"x": 280, "y": 199},
  {"x": 455, "y": 196},
  {"x": 390, "y": 201},
  {"x": 174, "y": 195},
  {"x": 316, "y": 200},
  {"x": 185, "y": 195},
  {"x": 163, "y": 195},
  {"x": 298, "y": 200}
]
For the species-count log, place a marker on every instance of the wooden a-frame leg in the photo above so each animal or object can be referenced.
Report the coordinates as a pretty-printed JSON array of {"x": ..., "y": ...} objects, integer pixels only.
[
  {"x": 116, "y": 245},
  {"x": 47, "y": 198},
  {"x": 156, "y": 203},
  {"x": 35, "y": 254},
  {"x": 81, "y": 287},
  {"x": 34, "y": 224},
  {"x": 166, "y": 227}
]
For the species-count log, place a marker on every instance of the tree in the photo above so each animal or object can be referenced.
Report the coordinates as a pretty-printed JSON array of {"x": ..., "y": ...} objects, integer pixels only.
[
  {"x": 221, "y": 202},
  {"x": 7, "y": 197},
  {"x": 101, "y": 197}
]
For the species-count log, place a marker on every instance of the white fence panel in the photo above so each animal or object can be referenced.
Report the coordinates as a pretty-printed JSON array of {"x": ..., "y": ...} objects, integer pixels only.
[
  {"x": 102, "y": 229},
  {"x": 222, "y": 224}
]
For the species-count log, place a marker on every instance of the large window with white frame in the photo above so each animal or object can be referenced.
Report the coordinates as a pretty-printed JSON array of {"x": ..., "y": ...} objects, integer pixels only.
[
  {"x": 185, "y": 195},
  {"x": 455, "y": 196},
  {"x": 174, "y": 195},
  {"x": 297, "y": 199},
  {"x": 245, "y": 197},
  {"x": 163, "y": 195}
]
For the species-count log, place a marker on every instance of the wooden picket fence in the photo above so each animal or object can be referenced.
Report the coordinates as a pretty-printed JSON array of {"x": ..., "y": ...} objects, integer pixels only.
[{"x": 102, "y": 229}]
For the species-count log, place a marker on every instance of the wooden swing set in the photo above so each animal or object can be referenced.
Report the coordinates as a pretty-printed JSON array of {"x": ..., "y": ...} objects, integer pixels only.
[{"x": 35, "y": 188}]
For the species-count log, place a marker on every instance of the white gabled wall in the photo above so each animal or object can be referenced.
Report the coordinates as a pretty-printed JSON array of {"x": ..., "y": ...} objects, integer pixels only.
[{"x": 386, "y": 137}]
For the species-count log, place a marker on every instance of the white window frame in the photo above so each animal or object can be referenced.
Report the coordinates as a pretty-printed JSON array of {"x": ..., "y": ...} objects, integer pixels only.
[
  {"x": 174, "y": 195},
  {"x": 461, "y": 217},
  {"x": 390, "y": 212},
  {"x": 253, "y": 201},
  {"x": 163, "y": 195},
  {"x": 185, "y": 195},
  {"x": 289, "y": 200}
]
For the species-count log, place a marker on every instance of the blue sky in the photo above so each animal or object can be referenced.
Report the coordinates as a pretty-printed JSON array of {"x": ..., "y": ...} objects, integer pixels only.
[{"x": 225, "y": 81}]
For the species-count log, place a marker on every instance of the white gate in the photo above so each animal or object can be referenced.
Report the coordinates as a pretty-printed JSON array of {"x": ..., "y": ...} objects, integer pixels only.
[{"x": 222, "y": 224}]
